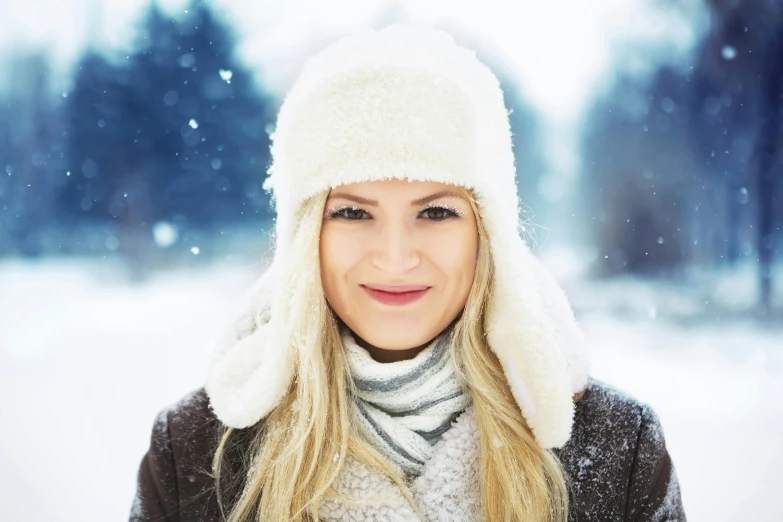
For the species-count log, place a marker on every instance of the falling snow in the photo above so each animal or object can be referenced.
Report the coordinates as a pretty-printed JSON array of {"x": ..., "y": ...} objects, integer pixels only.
[
  {"x": 164, "y": 233},
  {"x": 226, "y": 75}
]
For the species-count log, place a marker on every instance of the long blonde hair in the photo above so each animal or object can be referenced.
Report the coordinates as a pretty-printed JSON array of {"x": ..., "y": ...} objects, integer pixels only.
[{"x": 297, "y": 450}]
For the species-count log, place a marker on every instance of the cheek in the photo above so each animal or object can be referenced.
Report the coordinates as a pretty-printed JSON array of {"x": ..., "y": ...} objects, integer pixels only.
[
  {"x": 339, "y": 253},
  {"x": 455, "y": 255}
]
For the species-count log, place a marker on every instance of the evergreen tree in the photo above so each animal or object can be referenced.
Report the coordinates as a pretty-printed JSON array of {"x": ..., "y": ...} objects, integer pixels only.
[
  {"x": 203, "y": 119},
  {"x": 175, "y": 133}
]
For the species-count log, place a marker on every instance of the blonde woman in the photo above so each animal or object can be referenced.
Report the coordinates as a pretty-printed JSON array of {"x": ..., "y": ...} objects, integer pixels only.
[{"x": 405, "y": 357}]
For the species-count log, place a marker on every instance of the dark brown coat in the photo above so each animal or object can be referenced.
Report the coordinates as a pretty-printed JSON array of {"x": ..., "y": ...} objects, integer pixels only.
[{"x": 616, "y": 461}]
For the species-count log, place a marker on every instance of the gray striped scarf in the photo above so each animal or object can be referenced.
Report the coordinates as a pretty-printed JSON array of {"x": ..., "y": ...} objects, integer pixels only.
[{"x": 404, "y": 407}]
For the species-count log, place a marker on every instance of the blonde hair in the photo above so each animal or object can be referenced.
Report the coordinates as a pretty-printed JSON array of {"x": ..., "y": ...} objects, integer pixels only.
[{"x": 297, "y": 451}]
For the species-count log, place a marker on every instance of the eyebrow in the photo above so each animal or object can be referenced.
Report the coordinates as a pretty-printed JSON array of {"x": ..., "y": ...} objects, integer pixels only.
[{"x": 374, "y": 203}]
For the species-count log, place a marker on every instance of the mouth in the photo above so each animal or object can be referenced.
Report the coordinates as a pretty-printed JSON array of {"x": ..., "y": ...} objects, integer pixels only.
[{"x": 396, "y": 295}]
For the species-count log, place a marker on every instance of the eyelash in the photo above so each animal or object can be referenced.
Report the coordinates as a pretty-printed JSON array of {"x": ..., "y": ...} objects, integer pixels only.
[{"x": 450, "y": 212}]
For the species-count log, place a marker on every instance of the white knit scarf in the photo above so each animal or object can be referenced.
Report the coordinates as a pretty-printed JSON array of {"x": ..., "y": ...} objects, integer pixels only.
[{"x": 404, "y": 407}]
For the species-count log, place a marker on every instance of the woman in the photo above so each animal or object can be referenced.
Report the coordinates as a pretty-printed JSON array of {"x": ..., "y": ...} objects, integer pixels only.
[{"x": 405, "y": 357}]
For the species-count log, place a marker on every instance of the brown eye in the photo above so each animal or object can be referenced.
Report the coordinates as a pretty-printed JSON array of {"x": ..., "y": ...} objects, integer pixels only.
[
  {"x": 438, "y": 213},
  {"x": 349, "y": 213}
]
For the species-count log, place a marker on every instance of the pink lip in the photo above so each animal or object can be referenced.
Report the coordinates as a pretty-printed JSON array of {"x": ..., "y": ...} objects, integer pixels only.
[{"x": 396, "y": 295}]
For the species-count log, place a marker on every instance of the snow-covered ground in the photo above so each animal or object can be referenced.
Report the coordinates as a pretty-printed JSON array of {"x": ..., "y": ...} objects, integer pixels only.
[{"x": 87, "y": 360}]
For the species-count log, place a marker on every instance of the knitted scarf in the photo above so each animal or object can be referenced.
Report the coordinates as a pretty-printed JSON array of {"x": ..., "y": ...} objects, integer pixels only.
[{"x": 404, "y": 407}]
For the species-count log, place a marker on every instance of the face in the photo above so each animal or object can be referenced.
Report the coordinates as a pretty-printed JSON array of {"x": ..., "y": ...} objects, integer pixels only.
[{"x": 397, "y": 261}]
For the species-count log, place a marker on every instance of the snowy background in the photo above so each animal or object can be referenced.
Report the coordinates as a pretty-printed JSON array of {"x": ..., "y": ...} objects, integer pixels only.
[
  {"x": 133, "y": 138},
  {"x": 88, "y": 359}
]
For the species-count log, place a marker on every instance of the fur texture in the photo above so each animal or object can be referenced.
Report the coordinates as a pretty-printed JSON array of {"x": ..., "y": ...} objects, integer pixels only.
[{"x": 447, "y": 490}]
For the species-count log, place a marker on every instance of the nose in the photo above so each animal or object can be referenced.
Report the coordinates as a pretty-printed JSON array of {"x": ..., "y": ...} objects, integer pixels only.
[{"x": 395, "y": 250}]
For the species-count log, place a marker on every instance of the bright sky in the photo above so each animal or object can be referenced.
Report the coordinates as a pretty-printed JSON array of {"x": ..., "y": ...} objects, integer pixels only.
[{"x": 561, "y": 50}]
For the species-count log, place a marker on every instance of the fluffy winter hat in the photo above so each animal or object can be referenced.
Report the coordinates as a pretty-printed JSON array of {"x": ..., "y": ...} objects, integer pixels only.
[{"x": 402, "y": 102}]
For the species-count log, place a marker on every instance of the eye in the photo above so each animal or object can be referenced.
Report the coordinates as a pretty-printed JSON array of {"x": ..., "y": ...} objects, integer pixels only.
[
  {"x": 440, "y": 212},
  {"x": 349, "y": 213},
  {"x": 437, "y": 212}
]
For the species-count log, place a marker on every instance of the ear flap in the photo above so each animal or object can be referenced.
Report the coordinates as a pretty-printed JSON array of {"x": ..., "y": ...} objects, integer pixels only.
[
  {"x": 569, "y": 337},
  {"x": 532, "y": 330},
  {"x": 253, "y": 368}
]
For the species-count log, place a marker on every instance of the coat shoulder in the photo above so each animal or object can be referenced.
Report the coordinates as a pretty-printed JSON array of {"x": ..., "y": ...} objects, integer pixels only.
[
  {"x": 191, "y": 413},
  {"x": 616, "y": 460},
  {"x": 175, "y": 480},
  {"x": 194, "y": 431},
  {"x": 601, "y": 399},
  {"x": 605, "y": 430}
]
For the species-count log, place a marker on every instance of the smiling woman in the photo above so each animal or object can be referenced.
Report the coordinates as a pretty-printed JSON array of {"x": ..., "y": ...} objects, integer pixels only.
[{"x": 405, "y": 357}]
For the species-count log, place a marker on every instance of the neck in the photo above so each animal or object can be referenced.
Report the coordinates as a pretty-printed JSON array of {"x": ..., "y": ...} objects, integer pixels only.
[{"x": 383, "y": 355}]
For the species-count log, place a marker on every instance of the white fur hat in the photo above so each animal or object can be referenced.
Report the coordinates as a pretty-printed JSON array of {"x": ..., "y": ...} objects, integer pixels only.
[{"x": 402, "y": 102}]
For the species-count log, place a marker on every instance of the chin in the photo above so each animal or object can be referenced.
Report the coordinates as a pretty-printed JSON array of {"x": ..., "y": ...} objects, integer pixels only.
[{"x": 396, "y": 333}]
